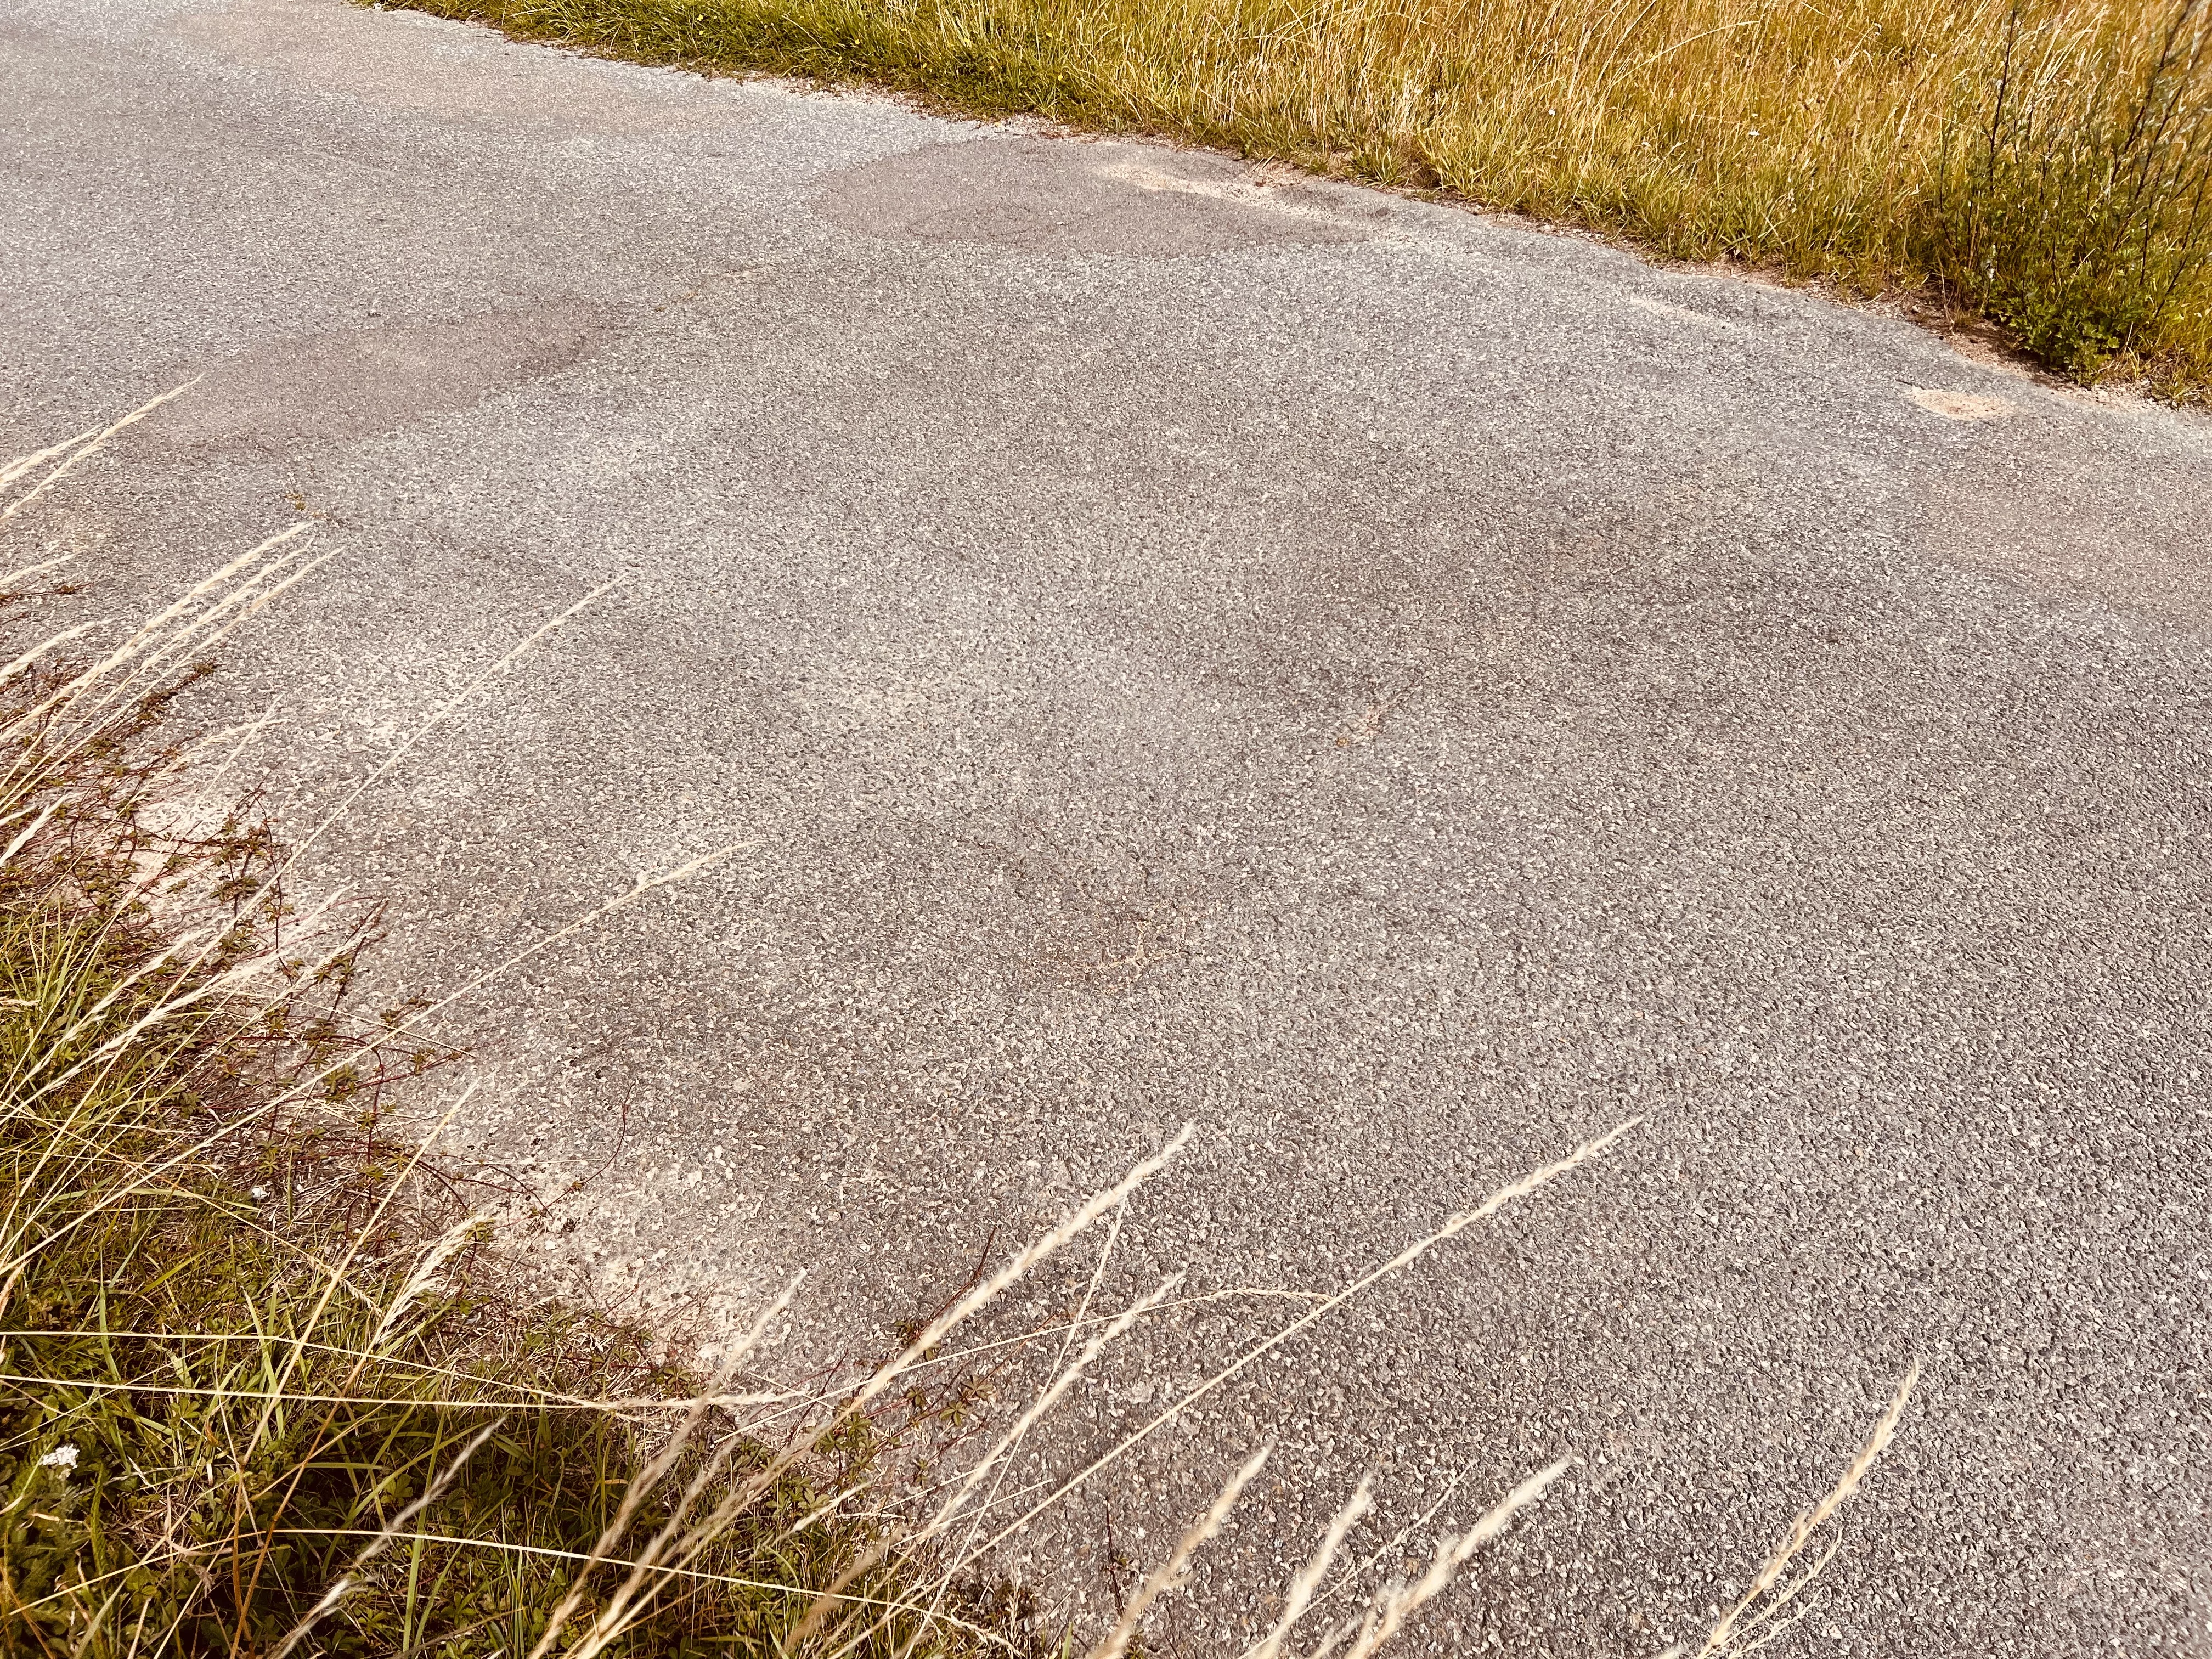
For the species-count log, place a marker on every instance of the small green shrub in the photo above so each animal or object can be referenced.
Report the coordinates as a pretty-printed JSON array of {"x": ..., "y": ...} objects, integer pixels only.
[{"x": 2075, "y": 202}]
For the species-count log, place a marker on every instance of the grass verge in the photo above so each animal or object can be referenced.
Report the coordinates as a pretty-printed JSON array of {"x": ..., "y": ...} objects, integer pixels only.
[
  {"x": 259, "y": 1391},
  {"x": 2044, "y": 163}
]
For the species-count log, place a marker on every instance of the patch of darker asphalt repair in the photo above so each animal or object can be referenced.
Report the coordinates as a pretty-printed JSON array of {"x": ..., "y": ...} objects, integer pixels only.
[
  {"x": 1401, "y": 691},
  {"x": 356, "y": 382},
  {"x": 1052, "y": 195}
]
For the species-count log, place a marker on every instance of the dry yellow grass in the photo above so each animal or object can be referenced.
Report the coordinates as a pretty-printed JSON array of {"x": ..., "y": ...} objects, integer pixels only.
[{"x": 2044, "y": 162}]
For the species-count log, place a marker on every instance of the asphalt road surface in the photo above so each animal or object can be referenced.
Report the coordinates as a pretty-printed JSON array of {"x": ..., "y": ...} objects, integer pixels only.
[{"x": 1399, "y": 689}]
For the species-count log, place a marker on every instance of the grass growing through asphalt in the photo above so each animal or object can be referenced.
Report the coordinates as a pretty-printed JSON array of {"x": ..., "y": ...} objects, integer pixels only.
[{"x": 2046, "y": 163}]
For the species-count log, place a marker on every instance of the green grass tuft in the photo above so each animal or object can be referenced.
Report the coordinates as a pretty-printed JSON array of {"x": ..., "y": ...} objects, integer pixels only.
[{"x": 242, "y": 1415}]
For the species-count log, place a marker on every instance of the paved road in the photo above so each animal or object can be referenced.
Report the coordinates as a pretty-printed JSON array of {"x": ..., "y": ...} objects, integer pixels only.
[{"x": 1400, "y": 690}]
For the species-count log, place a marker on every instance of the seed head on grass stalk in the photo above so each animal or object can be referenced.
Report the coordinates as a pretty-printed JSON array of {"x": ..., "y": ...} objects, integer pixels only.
[
  {"x": 680, "y": 1548},
  {"x": 1763, "y": 1610},
  {"x": 1405, "y": 1258},
  {"x": 1300, "y": 1595},
  {"x": 1384, "y": 1612},
  {"x": 1172, "y": 1572}
]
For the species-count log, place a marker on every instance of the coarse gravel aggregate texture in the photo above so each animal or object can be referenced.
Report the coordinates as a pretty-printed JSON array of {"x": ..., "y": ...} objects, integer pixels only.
[{"x": 1400, "y": 690}]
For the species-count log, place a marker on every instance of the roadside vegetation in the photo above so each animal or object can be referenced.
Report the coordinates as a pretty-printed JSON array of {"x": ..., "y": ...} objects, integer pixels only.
[
  {"x": 263, "y": 1390},
  {"x": 2044, "y": 164},
  {"x": 260, "y": 1390}
]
